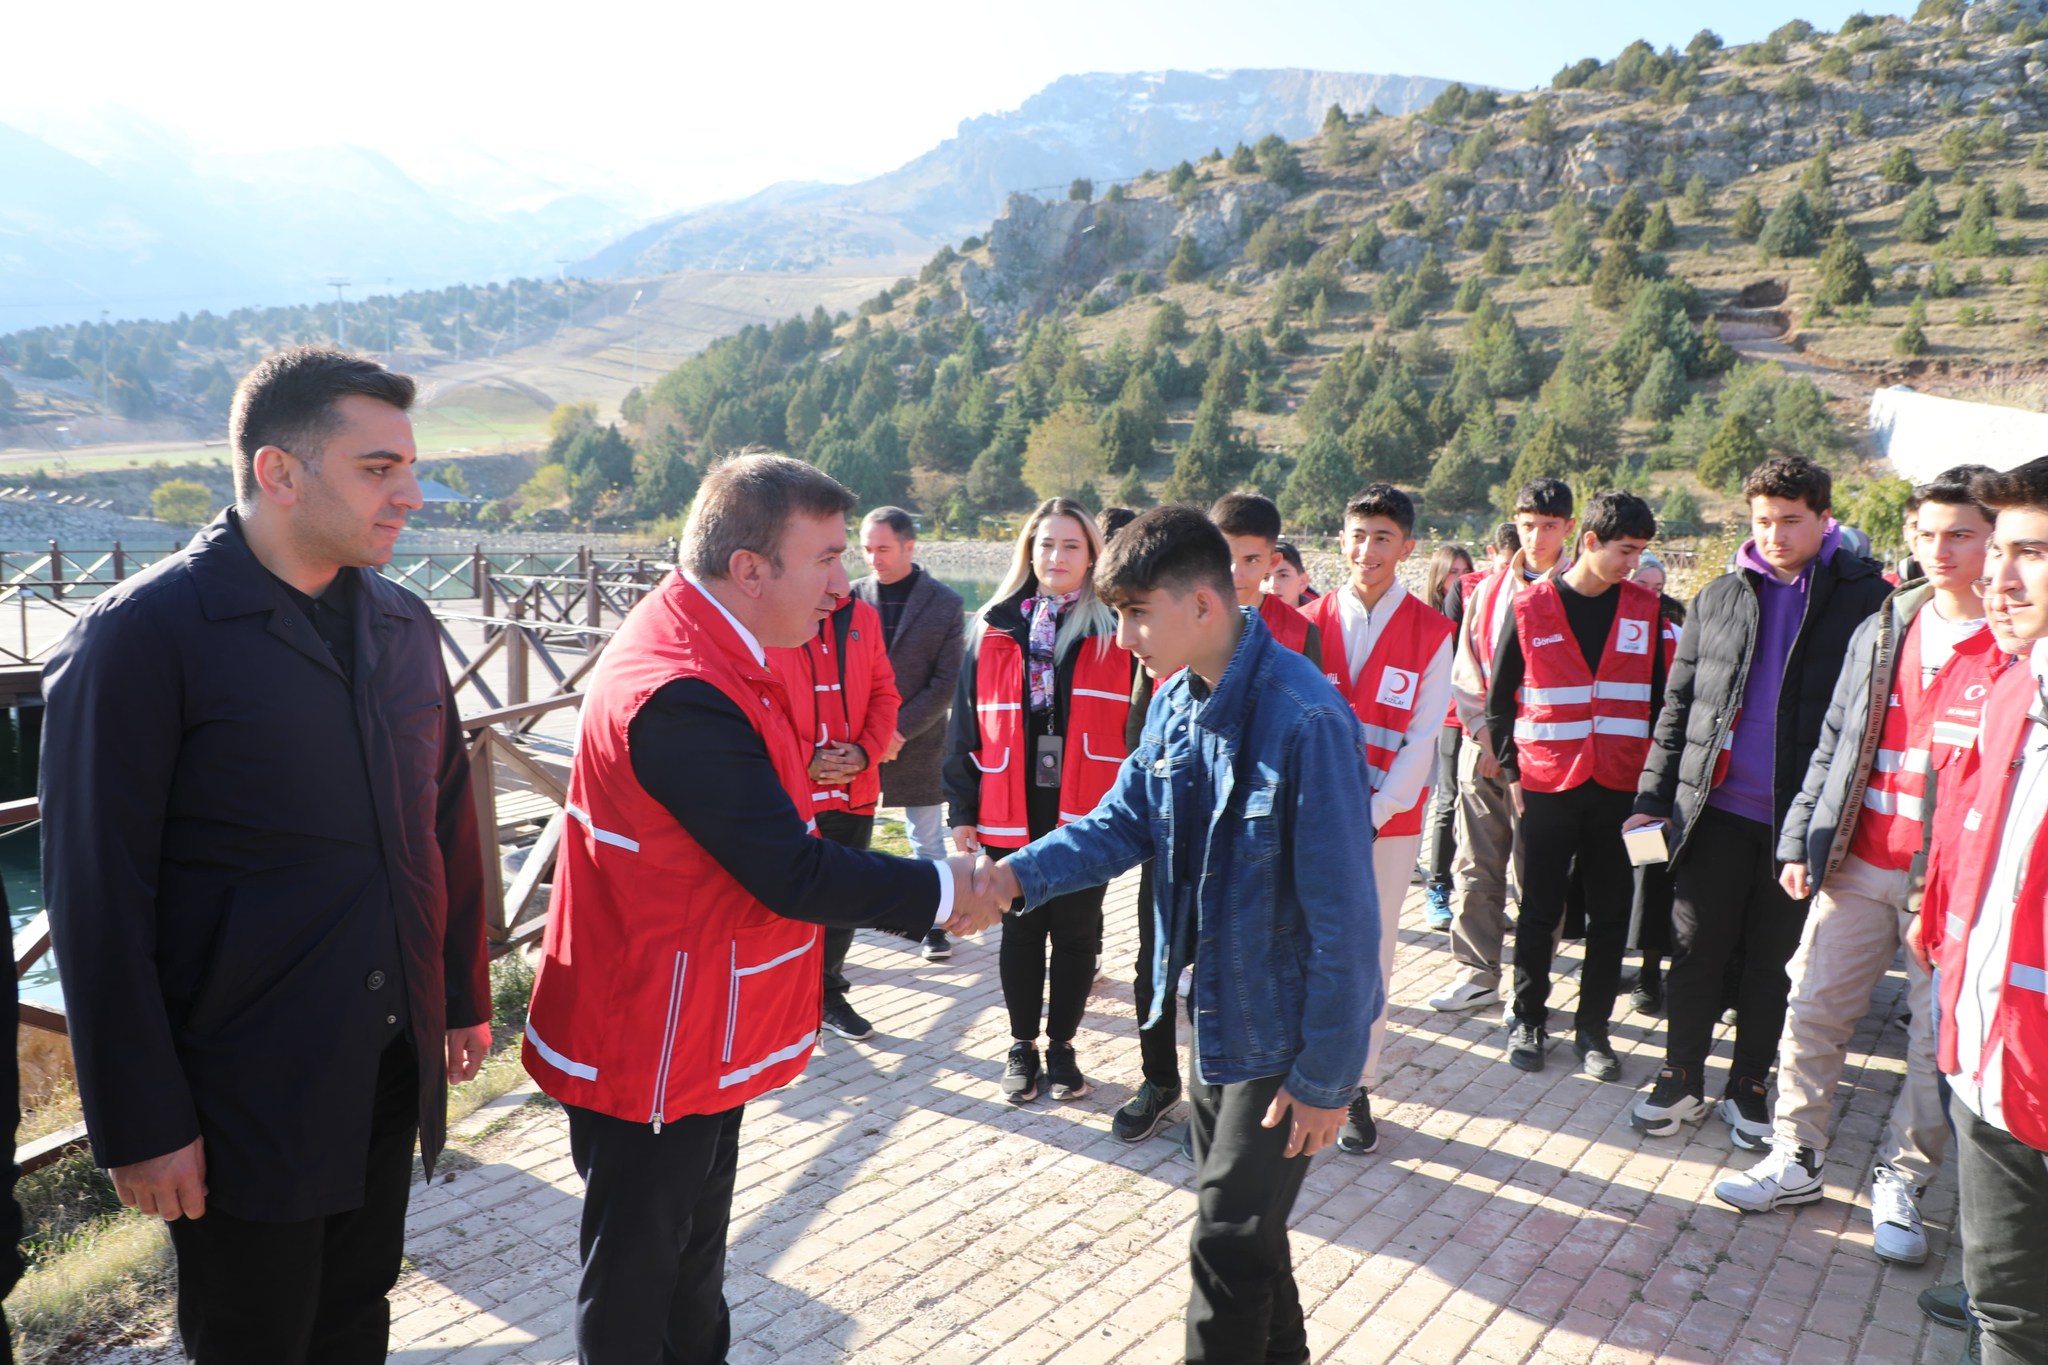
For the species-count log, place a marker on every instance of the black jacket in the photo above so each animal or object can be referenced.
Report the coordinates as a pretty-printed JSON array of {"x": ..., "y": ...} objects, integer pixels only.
[
  {"x": 925, "y": 652},
  {"x": 1712, "y": 667},
  {"x": 246, "y": 858}
]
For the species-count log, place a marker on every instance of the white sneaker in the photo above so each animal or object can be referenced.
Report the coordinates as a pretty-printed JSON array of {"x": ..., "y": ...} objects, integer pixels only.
[
  {"x": 1895, "y": 1216},
  {"x": 1789, "y": 1175},
  {"x": 1465, "y": 995}
]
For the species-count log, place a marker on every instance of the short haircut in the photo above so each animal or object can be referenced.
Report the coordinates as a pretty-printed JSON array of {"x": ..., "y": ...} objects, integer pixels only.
[
  {"x": 1114, "y": 519},
  {"x": 1545, "y": 498},
  {"x": 1290, "y": 552},
  {"x": 1614, "y": 515},
  {"x": 2025, "y": 487},
  {"x": 1173, "y": 549},
  {"x": 1507, "y": 538},
  {"x": 288, "y": 401},
  {"x": 1383, "y": 500},
  {"x": 746, "y": 503},
  {"x": 895, "y": 518},
  {"x": 1793, "y": 478},
  {"x": 1955, "y": 488},
  {"x": 1246, "y": 514}
]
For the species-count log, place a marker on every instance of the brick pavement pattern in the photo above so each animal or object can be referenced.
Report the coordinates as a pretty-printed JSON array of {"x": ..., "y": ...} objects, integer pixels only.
[{"x": 891, "y": 1208}]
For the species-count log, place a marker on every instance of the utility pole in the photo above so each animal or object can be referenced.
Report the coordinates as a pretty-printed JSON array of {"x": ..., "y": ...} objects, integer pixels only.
[{"x": 340, "y": 317}]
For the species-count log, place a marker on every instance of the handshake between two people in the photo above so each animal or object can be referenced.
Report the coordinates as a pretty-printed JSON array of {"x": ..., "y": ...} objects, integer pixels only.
[{"x": 983, "y": 889}]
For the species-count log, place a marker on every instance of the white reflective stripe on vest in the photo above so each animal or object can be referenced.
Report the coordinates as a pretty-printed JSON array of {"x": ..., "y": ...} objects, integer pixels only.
[
  {"x": 1382, "y": 737},
  {"x": 1556, "y": 696},
  {"x": 1910, "y": 761},
  {"x": 603, "y": 836},
  {"x": 776, "y": 961},
  {"x": 775, "y": 1058},
  {"x": 1956, "y": 927},
  {"x": 1003, "y": 830},
  {"x": 1894, "y": 803},
  {"x": 824, "y": 687},
  {"x": 1376, "y": 776},
  {"x": 1560, "y": 729},
  {"x": 1620, "y": 691},
  {"x": 2028, "y": 978},
  {"x": 1954, "y": 735},
  {"x": 1621, "y": 725},
  {"x": 1092, "y": 692},
  {"x": 998, "y": 706},
  {"x": 582, "y": 1071}
]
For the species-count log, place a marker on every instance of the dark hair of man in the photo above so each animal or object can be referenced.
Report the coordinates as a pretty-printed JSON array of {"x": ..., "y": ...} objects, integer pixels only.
[
  {"x": 1173, "y": 549},
  {"x": 895, "y": 518},
  {"x": 1383, "y": 500},
  {"x": 2025, "y": 487},
  {"x": 1955, "y": 488},
  {"x": 1545, "y": 498},
  {"x": 1114, "y": 519},
  {"x": 288, "y": 401},
  {"x": 746, "y": 503},
  {"x": 1793, "y": 478},
  {"x": 1246, "y": 514},
  {"x": 1290, "y": 552},
  {"x": 1613, "y": 516},
  {"x": 1506, "y": 538}
]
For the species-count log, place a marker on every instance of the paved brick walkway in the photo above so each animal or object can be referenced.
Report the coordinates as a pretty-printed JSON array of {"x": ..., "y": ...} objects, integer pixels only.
[{"x": 891, "y": 1208}]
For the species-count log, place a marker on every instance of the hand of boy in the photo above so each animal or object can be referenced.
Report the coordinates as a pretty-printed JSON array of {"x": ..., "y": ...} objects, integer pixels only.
[{"x": 1311, "y": 1129}]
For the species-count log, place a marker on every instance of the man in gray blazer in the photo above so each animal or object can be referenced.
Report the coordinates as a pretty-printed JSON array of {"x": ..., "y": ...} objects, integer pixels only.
[{"x": 924, "y": 624}]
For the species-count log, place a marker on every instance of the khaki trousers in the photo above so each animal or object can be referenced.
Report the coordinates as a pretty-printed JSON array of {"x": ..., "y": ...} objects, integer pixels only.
[
  {"x": 1393, "y": 865},
  {"x": 1851, "y": 938},
  {"x": 1486, "y": 843}
]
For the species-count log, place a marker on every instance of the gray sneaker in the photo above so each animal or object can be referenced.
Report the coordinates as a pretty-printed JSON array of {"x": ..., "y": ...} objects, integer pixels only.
[
  {"x": 1895, "y": 1217},
  {"x": 1789, "y": 1175}
]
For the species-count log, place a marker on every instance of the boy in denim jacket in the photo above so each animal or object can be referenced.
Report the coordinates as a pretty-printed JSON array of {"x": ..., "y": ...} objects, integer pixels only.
[{"x": 1246, "y": 751}]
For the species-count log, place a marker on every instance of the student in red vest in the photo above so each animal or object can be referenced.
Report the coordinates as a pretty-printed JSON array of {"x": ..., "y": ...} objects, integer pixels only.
[
  {"x": 1251, "y": 524},
  {"x": 679, "y": 974},
  {"x": 1985, "y": 921},
  {"x": 1486, "y": 812},
  {"x": 1924, "y": 665},
  {"x": 1289, "y": 580},
  {"x": 1449, "y": 567},
  {"x": 1575, "y": 684},
  {"x": 1389, "y": 653},
  {"x": 843, "y": 699},
  {"x": 1035, "y": 740}
]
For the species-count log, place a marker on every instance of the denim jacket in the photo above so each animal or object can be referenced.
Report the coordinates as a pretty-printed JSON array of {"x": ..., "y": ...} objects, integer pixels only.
[{"x": 1285, "y": 924}]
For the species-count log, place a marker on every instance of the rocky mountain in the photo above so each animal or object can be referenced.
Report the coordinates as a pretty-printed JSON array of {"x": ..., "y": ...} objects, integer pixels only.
[{"x": 1103, "y": 127}]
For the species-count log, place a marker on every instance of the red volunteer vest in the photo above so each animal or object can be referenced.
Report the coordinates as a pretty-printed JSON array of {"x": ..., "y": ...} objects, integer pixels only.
[
  {"x": 1383, "y": 695},
  {"x": 1956, "y": 897},
  {"x": 664, "y": 987},
  {"x": 835, "y": 699},
  {"x": 1097, "y": 709},
  {"x": 1573, "y": 726},
  {"x": 1481, "y": 595},
  {"x": 1288, "y": 624}
]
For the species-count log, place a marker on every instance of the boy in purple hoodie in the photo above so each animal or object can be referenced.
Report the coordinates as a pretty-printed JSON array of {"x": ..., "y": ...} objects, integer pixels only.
[{"x": 1743, "y": 710}]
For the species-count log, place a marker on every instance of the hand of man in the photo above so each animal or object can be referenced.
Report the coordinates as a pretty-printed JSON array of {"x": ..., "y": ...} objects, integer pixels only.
[
  {"x": 1515, "y": 795},
  {"x": 965, "y": 839},
  {"x": 1917, "y": 948},
  {"x": 974, "y": 909},
  {"x": 171, "y": 1186},
  {"x": 1639, "y": 822},
  {"x": 852, "y": 756},
  {"x": 1311, "y": 1129},
  {"x": 896, "y": 743},
  {"x": 996, "y": 879},
  {"x": 1796, "y": 880},
  {"x": 1489, "y": 766},
  {"x": 467, "y": 1048}
]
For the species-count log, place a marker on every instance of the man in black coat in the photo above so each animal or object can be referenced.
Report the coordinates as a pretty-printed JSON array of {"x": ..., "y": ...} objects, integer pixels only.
[
  {"x": 261, "y": 858},
  {"x": 924, "y": 627},
  {"x": 1743, "y": 710}
]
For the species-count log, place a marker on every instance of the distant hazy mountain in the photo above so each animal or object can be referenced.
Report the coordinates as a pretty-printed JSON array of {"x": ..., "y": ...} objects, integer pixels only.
[
  {"x": 1102, "y": 126},
  {"x": 122, "y": 215}
]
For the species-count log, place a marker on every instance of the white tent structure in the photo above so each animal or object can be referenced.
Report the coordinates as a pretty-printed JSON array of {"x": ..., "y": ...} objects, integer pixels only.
[{"x": 1922, "y": 435}]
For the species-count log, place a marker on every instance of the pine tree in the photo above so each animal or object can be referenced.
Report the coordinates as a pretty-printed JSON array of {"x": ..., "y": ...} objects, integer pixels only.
[
  {"x": 1242, "y": 162},
  {"x": 1659, "y": 232},
  {"x": 1498, "y": 260},
  {"x": 1748, "y": 222},
  {"x": 2012, "y": 200},
  {"x": 1625, "y": 223},
  {"x": 1469, "y": 295},
  {"x": 1844, "y": 273},
  {"x": 1859, "y": 121},
  {"x": 1920, "y": 220},
  {"x": 1186, "y": 263},
  {"x": 1465, "y": 470},
  {"x": 1662, "y": 391},
  {"x": 1431, "y": 277},
  {"x": 1544, "y": 455},
  {"x": 1614, "y": 281},
  {"x": 1699, "y": 196},
  {"x": 1791, "y": 230},
  {"x": 1912, "y": 338},
  {"x": 1715, "y": 355},
  {"x": 1974, "y": 233},
  {"x": 1899, "y": 167},
  {"x": 1322, "y": 481},
  {"x": 1732, "y": 453}
]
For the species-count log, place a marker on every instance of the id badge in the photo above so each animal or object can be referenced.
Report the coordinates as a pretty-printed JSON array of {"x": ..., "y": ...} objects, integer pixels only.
[{"x": 1045, "y": 762}]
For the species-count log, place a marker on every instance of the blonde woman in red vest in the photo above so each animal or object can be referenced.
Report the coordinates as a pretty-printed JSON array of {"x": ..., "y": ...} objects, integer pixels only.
[
  {"x": 1389, "y": 653},
  {"x": 1035, "y": 740},
  {"x": 1576, "y": 683}
]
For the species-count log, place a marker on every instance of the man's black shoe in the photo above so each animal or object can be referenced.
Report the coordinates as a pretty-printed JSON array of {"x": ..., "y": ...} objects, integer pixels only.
[
  {"x": 1647, "y": 997},
  {"x": 1596, "y": 1055},
  {"x": 1143, "y": 1113},
  {"x": 936, "y": 948},
  {"x": 1525, "y": 1046},
  {"x": 844, "y": 1020},
  {"x": 1360, "y": 1135},
  {"x": 1063, "y": 1072},
  {"x": 1020, "y": 1074}
]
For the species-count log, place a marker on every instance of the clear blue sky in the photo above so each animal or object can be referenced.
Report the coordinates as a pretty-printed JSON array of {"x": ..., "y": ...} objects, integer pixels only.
[{"x": 696, "y": 101}]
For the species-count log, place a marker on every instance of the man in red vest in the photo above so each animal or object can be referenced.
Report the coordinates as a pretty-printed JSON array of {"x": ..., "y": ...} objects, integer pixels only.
[
  {"x": 680, "y": 973},
  {"x": 1574, "y": 686},
  {"x": 1251, "y": 525},
  {"x": 843, "y": 699},
  {"x": 1486, "y": 812},
  {"x": 1904, "y": 718},
  {"x": 1985, "y": 920},
  {"x": 1389, "y": 653}
]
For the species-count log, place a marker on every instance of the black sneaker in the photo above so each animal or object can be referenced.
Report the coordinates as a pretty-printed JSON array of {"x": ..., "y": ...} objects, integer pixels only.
[
  {"x": 1946, "y": 1304},
  {"x": 1020, "y": 1074},
  {"x": 936, "y": 948},
  {"x": 1525, "y": 1046},
  {"x": 1672, "y": 1103},
  {"x": 1359, "y": 1135},
  {"x": 1143, "y": 1113},
  {"x": 844, "y": 1020},
  {"x": 1747, "y": 1112},
  {"x": 1596, "y": 1054},
  {"x": 1063, "y": 1070},
  {"x": 1647, "y": 997}
]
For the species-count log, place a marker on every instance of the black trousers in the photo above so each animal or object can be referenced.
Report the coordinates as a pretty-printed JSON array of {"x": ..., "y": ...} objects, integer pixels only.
[
  {"x": 1440, "y": 835},
  {"x": 655, "y": 1211},
  {"x": 852, "y": 831},
  {"x": 310, "y": 1292},
  {"x": 1059, "y": 941},
  {"x": 1567, "y": 836},
  {"x": 1726, "y": 901},
  {"x": 1244, "y": 1308},
  {"x": 2002, "y": 1188},
  {"x": 1158, "y": 1046}
]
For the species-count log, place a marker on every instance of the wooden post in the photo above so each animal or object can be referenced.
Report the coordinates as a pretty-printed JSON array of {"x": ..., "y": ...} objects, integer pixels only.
[
  {"x": 478, "y": 572},
  {"x": 515, "y": 653},
  {"x": 593, "y": 605},
  {"x": 56, "y": 571},
  {"x": 483, "y": 787},
  {"x": 120, "y": 563}
]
